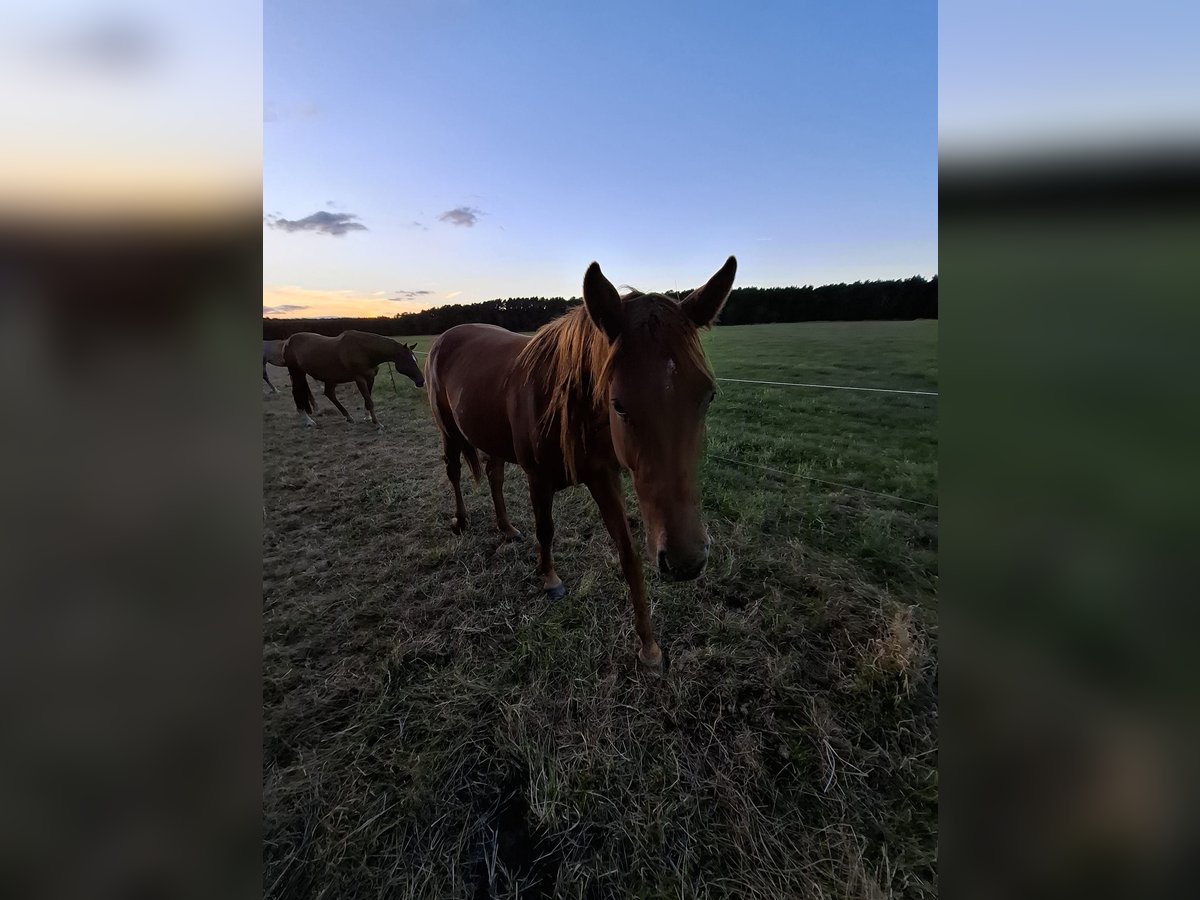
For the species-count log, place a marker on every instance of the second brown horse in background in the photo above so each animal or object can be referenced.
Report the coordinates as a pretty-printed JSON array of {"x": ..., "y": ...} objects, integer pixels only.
[
  {"x": 617, "y": 382},
  {"x": 351, "y": 356}
]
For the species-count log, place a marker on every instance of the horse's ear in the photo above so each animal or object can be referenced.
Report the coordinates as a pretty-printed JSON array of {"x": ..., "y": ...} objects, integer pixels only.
[
  {"x": 603, "y": 302},
  {"x": 414, "y": 346},
  {"x": 703, "y": 305}
]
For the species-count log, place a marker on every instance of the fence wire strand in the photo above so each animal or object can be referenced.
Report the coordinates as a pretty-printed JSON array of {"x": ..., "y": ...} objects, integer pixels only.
[
  {"x": 828, "y": 387},
  {"x": 832, "y": 387},
  {"x": 848, "y": 487}
]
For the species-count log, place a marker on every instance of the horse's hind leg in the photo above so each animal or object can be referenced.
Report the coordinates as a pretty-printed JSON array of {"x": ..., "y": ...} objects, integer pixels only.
[
  {"x": 453, "y": 458},
  {"x": 542, "y": 498},
  {"x": 331, "y": 393},
  {"x": 366, "y": 384},
  {"x": 495, "y": 473},
  {"x": 268, "y": 380}
]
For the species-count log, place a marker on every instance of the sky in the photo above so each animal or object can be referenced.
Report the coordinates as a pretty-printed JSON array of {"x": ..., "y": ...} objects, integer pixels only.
[
  {"x": 1025, "y": 77},
  {"x": 425, "y": 152},
  {"x": 130, "y": 106}
]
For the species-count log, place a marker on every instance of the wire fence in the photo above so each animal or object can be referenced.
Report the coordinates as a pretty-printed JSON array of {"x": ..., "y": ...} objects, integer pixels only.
[
  {"x": 801, "y": 475},
  {"x": 801, "y": 384},
  {"x": 838, "y": 484},
  {"x": 832, "y": 387}
]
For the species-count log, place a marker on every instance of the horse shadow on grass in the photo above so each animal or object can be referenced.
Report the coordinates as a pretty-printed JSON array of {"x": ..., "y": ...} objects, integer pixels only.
[{"x": 512, "y": 852}]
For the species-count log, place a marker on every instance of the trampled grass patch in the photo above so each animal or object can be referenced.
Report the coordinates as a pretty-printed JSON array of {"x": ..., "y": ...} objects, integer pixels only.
[{"x": 434, "y": 728}]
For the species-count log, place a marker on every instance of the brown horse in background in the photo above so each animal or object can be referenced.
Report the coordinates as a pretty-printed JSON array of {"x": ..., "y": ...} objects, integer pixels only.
[
  {"x": 617, "y": 382},
  {"x": 351, "y": 356},
  {"x": 273, "y": 354}
]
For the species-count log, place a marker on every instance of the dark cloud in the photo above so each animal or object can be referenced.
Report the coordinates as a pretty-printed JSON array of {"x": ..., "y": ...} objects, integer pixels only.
[
  {"x": 321, "y": 222},
  {"x": 108, "y": 43},
  {"x": 282, "y": 308},
  {"x": 408, "y": 295},
  {"x": 416, "y": 224},
  {"x": 465, "y": 216}
]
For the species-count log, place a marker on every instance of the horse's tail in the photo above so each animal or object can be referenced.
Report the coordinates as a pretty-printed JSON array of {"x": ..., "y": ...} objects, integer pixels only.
[
  {"x": 301, "y": 392},
  {"x": 453, "y": 440},
  {"x": 472, "y": 457}
]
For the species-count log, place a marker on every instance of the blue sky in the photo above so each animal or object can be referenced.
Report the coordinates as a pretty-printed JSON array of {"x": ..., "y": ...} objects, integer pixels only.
[
  {"x": 494, "y": 149},
  {"x": 1029, "y": 76}
]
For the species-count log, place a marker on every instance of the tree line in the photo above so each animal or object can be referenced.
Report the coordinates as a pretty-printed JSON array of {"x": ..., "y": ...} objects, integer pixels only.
[{"x": 909, "y": 298}]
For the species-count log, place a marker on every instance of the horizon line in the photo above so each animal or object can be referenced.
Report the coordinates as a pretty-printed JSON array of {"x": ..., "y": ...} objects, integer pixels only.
[{"x": 576, "y": 298}]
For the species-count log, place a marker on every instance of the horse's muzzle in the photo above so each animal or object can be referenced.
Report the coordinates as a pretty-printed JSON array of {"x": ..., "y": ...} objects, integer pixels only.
[
  {"x": 681, "y": 570},
  {"x": 419, "y": 382}
]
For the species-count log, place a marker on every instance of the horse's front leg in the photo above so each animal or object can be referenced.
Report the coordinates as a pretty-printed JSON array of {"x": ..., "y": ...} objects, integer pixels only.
[
  {"x": 606, "y": 491},
  {"x": 541, "y": 497},
  {"x": 331, "y": 393}
]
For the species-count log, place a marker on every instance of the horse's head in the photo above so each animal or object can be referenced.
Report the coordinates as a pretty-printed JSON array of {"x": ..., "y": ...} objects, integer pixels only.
[
  {"x": 659, "y": 389},
  {"x": 406, "y": 364}
]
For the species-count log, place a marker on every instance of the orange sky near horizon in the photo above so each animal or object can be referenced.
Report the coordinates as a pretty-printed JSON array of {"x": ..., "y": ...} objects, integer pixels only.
[{"x": 294, "y": 302}]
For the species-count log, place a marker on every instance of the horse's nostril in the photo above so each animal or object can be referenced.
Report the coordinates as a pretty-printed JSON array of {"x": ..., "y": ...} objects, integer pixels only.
[{"x": 691, "y": 570}]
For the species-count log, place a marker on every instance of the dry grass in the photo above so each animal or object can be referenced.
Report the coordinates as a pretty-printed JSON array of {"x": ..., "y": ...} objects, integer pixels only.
[{"x": 433, "y": 728}]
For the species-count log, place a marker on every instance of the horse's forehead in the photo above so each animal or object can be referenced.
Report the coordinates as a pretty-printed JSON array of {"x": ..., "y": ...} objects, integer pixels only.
[
  {"x": 646, "y": 307},
  {"x": 669, "y": 365}
]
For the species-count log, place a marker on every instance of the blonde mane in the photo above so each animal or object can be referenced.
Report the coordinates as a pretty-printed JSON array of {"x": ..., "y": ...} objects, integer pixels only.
[{"x": 572, "y": 361}]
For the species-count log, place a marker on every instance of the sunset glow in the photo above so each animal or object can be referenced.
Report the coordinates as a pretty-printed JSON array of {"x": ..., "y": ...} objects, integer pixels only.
[{"x": 292, "y": 302}]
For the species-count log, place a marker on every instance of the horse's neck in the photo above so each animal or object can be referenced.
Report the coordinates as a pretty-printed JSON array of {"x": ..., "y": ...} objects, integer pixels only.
[{"x": 380, "y": 349}]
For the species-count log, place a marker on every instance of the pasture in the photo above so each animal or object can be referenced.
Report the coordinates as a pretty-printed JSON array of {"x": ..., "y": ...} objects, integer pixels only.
[{"x": 434, "y": 728}]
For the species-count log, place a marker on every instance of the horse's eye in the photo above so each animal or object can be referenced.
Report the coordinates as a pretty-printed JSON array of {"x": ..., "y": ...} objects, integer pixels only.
[{"x": 619, "y": 409}]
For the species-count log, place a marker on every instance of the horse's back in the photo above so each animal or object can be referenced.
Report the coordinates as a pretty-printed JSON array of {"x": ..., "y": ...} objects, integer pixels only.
[
  {"x": 467, "y": 373},
  {"x": 303, "y": 342},
  {"x": 473, "y": 353},
  {"x": 357, "y": 339},
  {"x": 315, "y": 355},
  {"x": 474, "y": 337}
]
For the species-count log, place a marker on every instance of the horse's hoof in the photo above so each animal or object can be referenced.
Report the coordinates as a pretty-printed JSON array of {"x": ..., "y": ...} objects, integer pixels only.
[
  {"x": 513, "y": 535},
  {"x": 456, "y": 526},
  {"x": 557, "y": 592},
  {"x": 656, "y": 666}
]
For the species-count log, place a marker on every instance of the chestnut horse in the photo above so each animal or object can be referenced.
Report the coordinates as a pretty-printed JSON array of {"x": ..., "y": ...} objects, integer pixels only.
[
  {"x": 617, "y": 382},
  {"x": 351, "y": 356},
  {"x": 273, "y": 354}
]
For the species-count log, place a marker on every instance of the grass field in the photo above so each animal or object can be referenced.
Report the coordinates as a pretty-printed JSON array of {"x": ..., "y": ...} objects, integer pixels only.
[{"x": 434, "y": 728}]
